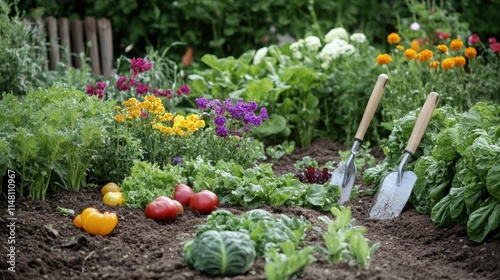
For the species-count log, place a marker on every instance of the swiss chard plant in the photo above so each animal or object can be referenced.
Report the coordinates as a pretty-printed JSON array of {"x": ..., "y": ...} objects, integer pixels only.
[{"x": 456, "y": 166}]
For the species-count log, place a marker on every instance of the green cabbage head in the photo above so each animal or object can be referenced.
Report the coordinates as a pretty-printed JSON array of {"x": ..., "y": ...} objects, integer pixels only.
[{"x": 220, "y": 253}]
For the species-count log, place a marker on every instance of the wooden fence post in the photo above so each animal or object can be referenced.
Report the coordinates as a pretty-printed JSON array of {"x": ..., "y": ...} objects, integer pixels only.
[
  {"x": 106, "y": 46},
  {"x": 65, "y": 41},
  {"x": 77, "y": 41},
  {"x": 91, "y": 35},
  {"x": 54, "y": 55}
]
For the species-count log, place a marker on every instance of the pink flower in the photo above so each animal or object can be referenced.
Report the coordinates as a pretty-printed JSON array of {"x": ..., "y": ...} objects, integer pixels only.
[
  {"x": 495, "y": 47},
  {"x": 121, "y": 84},
  {"x": 143, "y": 114},
  {"x": 90, "y": 89},
  {"x": 442, "y": 35},
  {"x": 492, "y": 40},
  {"x": 420, "y": 41},
  {"x": 141, "y": 88},
  {"x": 415, "y": 26},
  {"x": 139, "y": 65},
  {"x": 473, "y": 39}
]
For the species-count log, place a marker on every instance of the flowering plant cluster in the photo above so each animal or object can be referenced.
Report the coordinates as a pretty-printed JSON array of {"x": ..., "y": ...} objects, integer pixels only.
[
  {"x": 454, "y": 67},
  {"x": 232, "y": 120},
  {"x": 337, "y": 43},
  {"x": 139, "y": 84}
]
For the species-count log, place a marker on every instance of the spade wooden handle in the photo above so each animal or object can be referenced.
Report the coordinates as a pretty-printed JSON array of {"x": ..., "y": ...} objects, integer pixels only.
[
  {"x": 372, "y": 105},
  {"x": 422, "y": 121}
]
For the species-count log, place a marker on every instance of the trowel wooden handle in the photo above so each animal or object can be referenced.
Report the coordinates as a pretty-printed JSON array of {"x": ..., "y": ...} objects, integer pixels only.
[
  {"x": 422, "y": 121},
  {"x": 372, "y": 105}
]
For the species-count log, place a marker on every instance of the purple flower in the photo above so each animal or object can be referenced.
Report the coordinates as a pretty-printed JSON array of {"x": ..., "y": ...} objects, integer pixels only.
[
  {"x": 221, "y": 131},
  {"x": 213, "y": 103},
  {"x": 252, "y": 106},
  {"x": 220, "y": 110},
  {"x": 177, "y": 161},
  {"x": 220, "y": 121},
  {"x": 202, "y": 103},
  {"x": 263, "y": 113}
]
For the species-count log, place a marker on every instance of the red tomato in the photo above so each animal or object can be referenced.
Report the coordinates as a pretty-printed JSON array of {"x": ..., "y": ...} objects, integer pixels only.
[
  {"x": 162, "y": 209},
  {"x": 180, "y": 208},
  {"x": 204, "y": 202},
  {"x": 183, "y": 194}
]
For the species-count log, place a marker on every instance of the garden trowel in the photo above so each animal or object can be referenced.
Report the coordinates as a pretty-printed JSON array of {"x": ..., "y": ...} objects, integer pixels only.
[
  {"x": 345, "y": 174},
  {"x": 396, "y": 186}
]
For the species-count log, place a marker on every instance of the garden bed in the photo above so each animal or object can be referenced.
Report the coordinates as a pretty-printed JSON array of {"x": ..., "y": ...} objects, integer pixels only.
[{"x": 411, "y": 247}]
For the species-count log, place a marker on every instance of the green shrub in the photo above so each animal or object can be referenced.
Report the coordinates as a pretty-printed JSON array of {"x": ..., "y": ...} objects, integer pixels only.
[{"x": 23, "y": 53}]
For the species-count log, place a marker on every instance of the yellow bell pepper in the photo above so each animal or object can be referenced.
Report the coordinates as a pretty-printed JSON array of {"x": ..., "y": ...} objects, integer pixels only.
[
  {"x": 98, "y": 223},
  {"x": 113, "y": 199}
]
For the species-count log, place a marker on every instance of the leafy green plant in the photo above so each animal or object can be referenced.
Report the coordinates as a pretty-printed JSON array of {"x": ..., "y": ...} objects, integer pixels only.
[
  {"x": 281, "y": 266},
  {"x": 147, "y": 181},
  {"x": 278, "y": 151},
  {"x": 455, "y": 167},
  {"x": 23, "y": 53},
  {"x": 344, "y": 241},
  {"x": 256, "y": 186},
  {"x": 50, "y": 137}
]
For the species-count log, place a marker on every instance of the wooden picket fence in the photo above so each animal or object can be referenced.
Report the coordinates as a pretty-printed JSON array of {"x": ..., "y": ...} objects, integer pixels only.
[{"x": 68, "y": 38}]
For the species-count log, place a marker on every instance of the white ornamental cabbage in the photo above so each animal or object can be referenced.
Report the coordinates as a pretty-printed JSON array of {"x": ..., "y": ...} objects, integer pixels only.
[{"x": 333, "y": 50}]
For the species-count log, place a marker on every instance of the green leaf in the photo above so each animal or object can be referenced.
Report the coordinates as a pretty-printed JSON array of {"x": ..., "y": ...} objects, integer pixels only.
[
  {"x": 258, "y": 90},
  {"x": 275, "y": 124},
  {"x": 440, "y": 213},
  {"x": 485, "y": 220},
  {"x": 213, "y": 62},
  {"x": 493, "y": 180}
]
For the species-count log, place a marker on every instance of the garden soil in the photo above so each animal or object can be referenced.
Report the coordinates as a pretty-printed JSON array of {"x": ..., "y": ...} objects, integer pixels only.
[{"x": 49, "y": 246}]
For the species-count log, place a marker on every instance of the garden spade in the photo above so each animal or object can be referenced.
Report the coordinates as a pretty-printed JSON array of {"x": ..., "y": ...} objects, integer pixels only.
[
  {"x": 345, "y": 174},
  {"x": 396, "y": 186}
]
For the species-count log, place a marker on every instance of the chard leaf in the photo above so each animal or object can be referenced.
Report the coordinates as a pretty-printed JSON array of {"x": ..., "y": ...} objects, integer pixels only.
[
  {"x": 493, "y": 180},
  {"x": 440, "y": 213},
  {"x": 485, "y": 220},
  {"x": 458, "y": 209}
]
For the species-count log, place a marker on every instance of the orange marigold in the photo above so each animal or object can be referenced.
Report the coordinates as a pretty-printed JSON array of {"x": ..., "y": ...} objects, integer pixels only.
[
  {"x": 470, "y": 52},
  {"x": 393, "y": 38},
  {"x": 456, "y": 44},
  {"x": 459, "y": 61},
  {"x": 399, "y": 47},
  {"x": 410, "y": 54},
  {"x": 435, "y": 64},
  {"x": 425, "y": 55},
  {"x": 442, "y": 48},
  {"x": 384, "y": 59},
  {"x": 415, "y": 45},
  {"x": 448, "y": 63}
]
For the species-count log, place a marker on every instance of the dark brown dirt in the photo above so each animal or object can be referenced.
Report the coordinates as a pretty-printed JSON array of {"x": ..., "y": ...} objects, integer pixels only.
[{"x": 48, "y": 246}]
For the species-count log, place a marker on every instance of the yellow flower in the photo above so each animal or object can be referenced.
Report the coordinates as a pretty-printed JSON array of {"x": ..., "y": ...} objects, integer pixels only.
[
  {"x": 119, "y": 118},
  {"x": 448, "y": 63},
  {"x": 456, "y": 44},
  {"x": 425, "y": 55},
  {"x": 118, "y": 108},
  {"x": 399, "y": 47},
  {"x": 136, "y": 112},
  {"x": 459, "y": 61},
  {"x": 167, "y": 117},
  {"x": 384, "y": 59},
  {"x": 130, "y": 102},
  {"x": 393, "y": 38},
  {"x": 470, "y": 52},
  {"x": 200, "y": 123},
  {"x": 442, "y": 48},
  {"x": 410, "y": 54},
  {"x": 415, "y": 45},
  {"x": 435, "y": 64}
]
